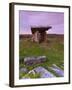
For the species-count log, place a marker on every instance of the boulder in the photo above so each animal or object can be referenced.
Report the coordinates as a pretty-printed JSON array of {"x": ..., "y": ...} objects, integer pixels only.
[
  {"x": 34, "y": 60},
  {"x": 23, "y": 70},
  {"x": 44, "y": 73},
  {"x": 57, "y": 70}
]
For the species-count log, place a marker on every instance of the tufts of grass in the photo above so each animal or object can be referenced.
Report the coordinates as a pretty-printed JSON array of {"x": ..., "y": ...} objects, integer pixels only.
[
  {"x": 32, "y": 75},
  {"x": 22, "y": 75},
  {"x": 53, "y": 50}
]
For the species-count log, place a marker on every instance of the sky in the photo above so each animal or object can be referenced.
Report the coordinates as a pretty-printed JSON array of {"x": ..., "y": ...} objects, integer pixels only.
[{"x": 28, "y": 19}]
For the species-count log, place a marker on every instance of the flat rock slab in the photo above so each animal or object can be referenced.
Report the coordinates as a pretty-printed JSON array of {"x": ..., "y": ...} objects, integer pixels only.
[
  {"x": 34, "y": 60},
  {"x": 43, "y": 72},
  {"x": 57, "y": 70}
]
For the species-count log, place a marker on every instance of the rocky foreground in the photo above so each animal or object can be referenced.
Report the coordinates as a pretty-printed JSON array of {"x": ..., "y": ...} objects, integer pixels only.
[{"x": 40, "y": 71}]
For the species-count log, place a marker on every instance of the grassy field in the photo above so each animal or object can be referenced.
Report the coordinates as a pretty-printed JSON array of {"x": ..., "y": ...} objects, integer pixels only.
[{"x": 53, "y": 49}]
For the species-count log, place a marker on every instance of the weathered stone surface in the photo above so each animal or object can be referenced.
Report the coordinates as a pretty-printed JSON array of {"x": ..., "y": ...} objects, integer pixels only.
[
  {"x": 39, "y": 70},
  {"x": 57, "y": 70},
  {"x": 34, "y": 60},
  {"x": 43, "y": 72},
  {"x": 23, "y": 70}
]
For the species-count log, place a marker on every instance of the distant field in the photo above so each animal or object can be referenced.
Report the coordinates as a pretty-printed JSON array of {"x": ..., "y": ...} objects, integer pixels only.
[{"x": 53, "y": 49}]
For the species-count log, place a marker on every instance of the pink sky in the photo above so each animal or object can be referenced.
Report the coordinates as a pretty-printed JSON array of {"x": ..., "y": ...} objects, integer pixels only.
[{"x": 27, "y": 19}]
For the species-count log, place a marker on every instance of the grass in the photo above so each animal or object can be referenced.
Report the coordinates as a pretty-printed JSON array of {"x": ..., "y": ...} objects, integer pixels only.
[
  {"x": 25, "y": 75},
  {"x": 32, "y": 75},
  {"x": 53, "y": 50},
  {"x": 22, "y": 75}
]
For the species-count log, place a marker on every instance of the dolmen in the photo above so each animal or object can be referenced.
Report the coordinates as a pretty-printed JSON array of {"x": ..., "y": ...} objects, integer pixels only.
[{"x": 34, "y": 60}]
